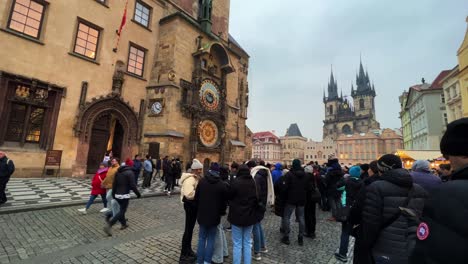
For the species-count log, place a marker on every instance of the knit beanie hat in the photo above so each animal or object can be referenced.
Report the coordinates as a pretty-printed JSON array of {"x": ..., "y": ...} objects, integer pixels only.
[
  {"x": 296, "y": 164},
  {"x": 355, "y": 172},
  {"x": 214, "y": 166},
  {"x": 389, "y": 162},
  {"x": 365, "y": 167},
  {"x": 251, "y": 163},
  {"x": 421, "y": 165},
  {"x": 129, "y": 162},
  {"x": 196, "y": 165},
  {"x": 455, "y": 140}
]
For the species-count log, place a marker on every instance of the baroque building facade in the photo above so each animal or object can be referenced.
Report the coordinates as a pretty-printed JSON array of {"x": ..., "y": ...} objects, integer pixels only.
[
  {"x": 319, "y": 151},
  {"x": 172, "y": 82},
  {"x": 345, "y": 117},
  {"x": 267, "y": 147},
  {"x": 293, "y": 144}
]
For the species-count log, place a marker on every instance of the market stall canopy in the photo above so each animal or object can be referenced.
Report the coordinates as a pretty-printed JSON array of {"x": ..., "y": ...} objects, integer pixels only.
[{"x": 419, "y": 154}]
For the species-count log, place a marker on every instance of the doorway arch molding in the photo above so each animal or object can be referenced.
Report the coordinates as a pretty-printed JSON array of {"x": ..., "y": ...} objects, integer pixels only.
[{"x": 99, "y": 106}]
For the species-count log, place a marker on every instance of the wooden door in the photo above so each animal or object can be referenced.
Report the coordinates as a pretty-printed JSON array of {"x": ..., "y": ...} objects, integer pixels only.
[{"x": 98, "y": 144}]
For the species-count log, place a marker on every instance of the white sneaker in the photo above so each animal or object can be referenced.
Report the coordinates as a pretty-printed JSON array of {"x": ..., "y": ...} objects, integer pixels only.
[
  {"x": 82, "y": 210},
  {"x": 168, "y": 193},
  {"x": 104, "y": 210}
]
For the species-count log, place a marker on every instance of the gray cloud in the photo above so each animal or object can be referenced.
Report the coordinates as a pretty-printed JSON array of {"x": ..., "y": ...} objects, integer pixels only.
[{"x": 293, "y": 43}]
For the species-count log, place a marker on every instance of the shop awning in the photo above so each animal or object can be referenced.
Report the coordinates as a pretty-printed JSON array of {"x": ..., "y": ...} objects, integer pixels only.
[{"x": 419, "y": 154}]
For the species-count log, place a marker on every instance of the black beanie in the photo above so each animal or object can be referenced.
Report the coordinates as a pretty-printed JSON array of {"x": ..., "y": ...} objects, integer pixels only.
[
  {"x": 455, "y": 140},
  {"x": 251, "y": 163},
  {"x": 389, "y": 162},
  {"x": 365, "y": 167}
]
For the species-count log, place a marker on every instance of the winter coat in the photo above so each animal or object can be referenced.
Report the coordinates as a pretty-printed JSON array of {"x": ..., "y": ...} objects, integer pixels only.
[
  {"x": 109, "y": 180},
  {"x": 166, "y": 166},
  {"x": 158, "y": 164},
  {"x": 297, "y": 184},
  {"x": 176, "y": 170},
  {"x": 243, "y": 201},
  {"x": 276, "y": 173},
  {"x": 124, "y": 182},
  {"x": 280, "y": 196},
  {"x": 96, "y": 188},
  {"x": 189, "y": 183},
  {"x": 427, "y": 180},
  {"x": 383, "y": 200},
  {"x": 137, "y": 165},
  {"x": 211, "y": 196},
  {"x": 7, "y": 167},
  {"x": 445, "y": 215},
  {"x": 332, "y": 177},
  {"x": 352, "y": 186}
]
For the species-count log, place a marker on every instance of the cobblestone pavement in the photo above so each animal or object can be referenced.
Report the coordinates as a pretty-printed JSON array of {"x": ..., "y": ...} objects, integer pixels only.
[
  {"x": 63, "y": 235},
  {"x": 37, "y": 192}
]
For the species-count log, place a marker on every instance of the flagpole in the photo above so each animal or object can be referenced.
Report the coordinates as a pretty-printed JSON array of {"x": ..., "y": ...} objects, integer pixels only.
[{"x": 122, "y": 24}]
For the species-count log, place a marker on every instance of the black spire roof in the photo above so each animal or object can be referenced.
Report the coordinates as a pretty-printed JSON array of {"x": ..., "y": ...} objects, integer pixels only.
[
  {"x": 293, "y": 131},
  {"x": 363, "y": 84},
  {"x": 332, "y": 87}
]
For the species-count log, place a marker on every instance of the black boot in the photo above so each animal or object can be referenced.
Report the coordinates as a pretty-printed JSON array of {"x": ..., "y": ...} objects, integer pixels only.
[
  {"x": 300, "y": 241},
  {"x": 285, "y": 240}
]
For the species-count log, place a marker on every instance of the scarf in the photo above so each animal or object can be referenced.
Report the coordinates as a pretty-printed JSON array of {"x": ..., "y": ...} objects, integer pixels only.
[{"x": 270, "y": 189}]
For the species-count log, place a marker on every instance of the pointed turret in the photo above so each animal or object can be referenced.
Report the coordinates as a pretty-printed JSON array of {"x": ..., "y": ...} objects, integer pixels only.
[
  {"x": 363, "y": 81},
  {"x": 332, "y": 87}
]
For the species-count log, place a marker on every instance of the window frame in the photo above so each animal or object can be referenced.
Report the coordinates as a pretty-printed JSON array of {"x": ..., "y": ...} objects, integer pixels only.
[
  {"x": 145, "y": 51},
  {"x": 44, "y": 4},
  {"x": 150, "y": 13},
  {"x": 91, "y": 25}
]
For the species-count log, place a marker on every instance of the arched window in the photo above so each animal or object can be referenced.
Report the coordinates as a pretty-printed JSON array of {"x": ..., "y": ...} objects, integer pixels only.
[
  {"x": 346, "y": 130},
  {"x": 361, "y": 104},
  {"x": 330, "y": 109}
]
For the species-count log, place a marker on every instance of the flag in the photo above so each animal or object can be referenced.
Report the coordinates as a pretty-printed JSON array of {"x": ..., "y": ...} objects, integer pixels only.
[{"x": 124, "y": 19}]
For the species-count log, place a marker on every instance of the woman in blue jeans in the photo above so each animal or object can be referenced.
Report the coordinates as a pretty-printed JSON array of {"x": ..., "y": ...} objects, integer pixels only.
[{"x": 243, "y": 206}]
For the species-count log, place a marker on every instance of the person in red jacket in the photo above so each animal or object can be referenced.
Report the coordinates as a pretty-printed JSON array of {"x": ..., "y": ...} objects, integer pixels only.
[{"x": 96, "y": 189}]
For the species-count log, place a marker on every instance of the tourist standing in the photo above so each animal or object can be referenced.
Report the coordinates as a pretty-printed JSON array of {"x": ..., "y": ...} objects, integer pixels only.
[
  {"x": 137, "y": 165},
  {"x": 158, "y": 167},
  {"x": 442, "y": 235},
  {"x": 124, "y": 182},
  {"x": 189, "y": 183},
  {"x": 333, "y": 175},
  {"x": 242, "y": 214},
  {"x": 422, "y": 175},
  {"x": 97, "y": 189},
  {"x": 147, "y": 172},
  {"x": 166, "y": 165},
  {"x": 112, "y": 206},
  {"x": 210, "y": 196},
  {"x": 7, "y": 168},
  {"x": 312, "y": 197},
  {"x": 169, "y": 177},
  {"x": 277, "y": 172},
  {"x": 220, "y": 245}
]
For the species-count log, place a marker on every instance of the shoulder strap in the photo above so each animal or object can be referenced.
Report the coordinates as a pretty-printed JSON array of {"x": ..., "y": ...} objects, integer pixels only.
[{"x": 397, "y": 215}]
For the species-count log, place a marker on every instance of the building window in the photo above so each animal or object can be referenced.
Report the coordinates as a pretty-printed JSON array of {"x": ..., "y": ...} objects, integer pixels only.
[
  {"x": 142, "y": 13},
  {"x": 330, "y": 109},
  {"x": 442, "y": 97},
  {"x": 445, "y": 119},
  {"x": 361, "y": 104},
  {"x": 87, "y": 37},
  {"x": 136, "y": 60},
  {"x": 30, "y": 111},
  {"x": 26, "y": 17}
]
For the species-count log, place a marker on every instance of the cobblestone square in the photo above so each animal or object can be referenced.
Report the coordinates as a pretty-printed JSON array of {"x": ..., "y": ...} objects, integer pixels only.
[{"x": 63, "y": 235}]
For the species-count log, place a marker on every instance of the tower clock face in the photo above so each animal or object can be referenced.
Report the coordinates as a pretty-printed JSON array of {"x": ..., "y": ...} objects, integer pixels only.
[
  {"x": 156, "y": 108},
  {"x": 209, "y": 133},
  {"x": 209, "y": 96}
]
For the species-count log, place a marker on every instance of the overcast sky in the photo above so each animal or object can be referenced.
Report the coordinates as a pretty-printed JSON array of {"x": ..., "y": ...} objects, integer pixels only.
[{"x": 292, "y": 45}]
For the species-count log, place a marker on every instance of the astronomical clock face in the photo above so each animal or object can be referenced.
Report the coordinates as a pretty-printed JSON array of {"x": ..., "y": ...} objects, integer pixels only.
[
  {"x": 209, "y": 96},
  {"x": 209, "y": 133}
]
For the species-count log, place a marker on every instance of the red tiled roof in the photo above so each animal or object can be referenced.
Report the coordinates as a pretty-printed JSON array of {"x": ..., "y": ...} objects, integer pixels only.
[
  {"x": 437, "y": 83},
  {"x": 265, "y": 134}
]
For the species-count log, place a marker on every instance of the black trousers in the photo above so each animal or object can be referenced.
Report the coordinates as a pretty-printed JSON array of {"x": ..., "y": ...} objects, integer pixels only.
[
  {"x": 310, "y": 220},
  {"x": 147, "y": 178},
  {"x": 123, "y": 203},
  {"x": 169, "y": 182},
  {"x": 190, "y": 220},
  {"x": 3, "y": 184}
]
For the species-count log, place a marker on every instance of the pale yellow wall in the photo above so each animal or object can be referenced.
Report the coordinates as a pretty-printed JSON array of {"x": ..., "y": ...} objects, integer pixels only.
[{"x": 463, "y": 74}]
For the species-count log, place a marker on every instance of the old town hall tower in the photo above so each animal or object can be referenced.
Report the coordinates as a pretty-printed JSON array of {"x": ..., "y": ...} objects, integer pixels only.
[{"x": 345, "y": 117}]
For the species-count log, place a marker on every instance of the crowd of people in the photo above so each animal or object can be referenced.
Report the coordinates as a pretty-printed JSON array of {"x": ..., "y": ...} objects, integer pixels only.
[{"x": 395, "y": 215}]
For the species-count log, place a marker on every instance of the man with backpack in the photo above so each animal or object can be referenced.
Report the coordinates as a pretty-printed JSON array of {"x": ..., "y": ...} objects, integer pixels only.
[
  {"x": 442, "y": 234},
  {"x": 7, "y": 167},
  {"x": 386, "y": 227}
]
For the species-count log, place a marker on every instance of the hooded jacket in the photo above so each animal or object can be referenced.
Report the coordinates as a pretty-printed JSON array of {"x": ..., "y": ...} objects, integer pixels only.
[
  {"x": 124, "y": 182},
  {"x": 211, "y": 197},
  {"x": 445, "y": 215},
  {"x": 96, "y": 187},
  {"x": 7, "y": 167},
  {"x": 243, "y": 200},
  {"x": 189, "y": 183},
  {"x": 276, "y": 173},
  {"x": 426, "y": 179},
  {"x": 383, "y": 199},
  {"x": 297, "y": 185}
]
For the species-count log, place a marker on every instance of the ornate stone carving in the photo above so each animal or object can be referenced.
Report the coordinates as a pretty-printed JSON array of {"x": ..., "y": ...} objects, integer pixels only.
[{"x": 118, "y": 78}]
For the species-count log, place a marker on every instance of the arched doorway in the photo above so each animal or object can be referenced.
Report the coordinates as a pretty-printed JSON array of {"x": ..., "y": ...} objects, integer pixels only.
[
  {"x": 107, "y": 134},
  {"x": 107, "y": 123}
]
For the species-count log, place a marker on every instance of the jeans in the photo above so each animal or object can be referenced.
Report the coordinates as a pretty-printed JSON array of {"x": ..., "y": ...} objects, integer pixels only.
[
  {"x": 344, "y": 241},
  {"x": 242, "y": 244},
  {"x": 93, "y": 197},
  {"x": 309, "y": 217},
  {"x": 3, "y": 184},
  {"x": 220, "y": 245},
  {"x": 123, "y": 204},
  {"x": 206, "y": 237},
  {"x": 288, "y": 210},
  {"x": 112, "y": 204},
  {"x": 258, "y": 237},
  {"x": 190, "y": 220}
]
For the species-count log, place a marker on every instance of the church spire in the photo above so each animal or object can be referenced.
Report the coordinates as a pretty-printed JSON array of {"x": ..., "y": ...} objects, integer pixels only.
[
  {"x": 362, "y": 80},
  {"x": 332, "y": 87}
]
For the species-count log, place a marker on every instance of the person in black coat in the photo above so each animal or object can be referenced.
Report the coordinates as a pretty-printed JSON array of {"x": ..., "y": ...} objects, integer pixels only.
[
  {"x": 124, "y": 181},
  {"x": 442, "y": 235},
  {"x": 210, "y": 196},
  {"x": 333, "y": 175},
  {"x": 297, "y": 184},
  {"x": 243, "y": 205},
  {"x": 7, "y": 167},
  {"x": 309, "y": 214},
  {"x": 387, "y": 231}
]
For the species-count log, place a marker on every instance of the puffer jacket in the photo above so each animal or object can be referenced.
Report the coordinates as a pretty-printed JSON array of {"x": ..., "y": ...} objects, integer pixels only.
[
  {"x": 445, "y": 215},
  {"x": 297, "y": 185},
  {"x": 352, "y": 185},
  {"x": 211, "y": 197},
  {"x": 383, "y": 199},
  {"x": 243, "y": 200},
  {"x": 332, "y": 178}
]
